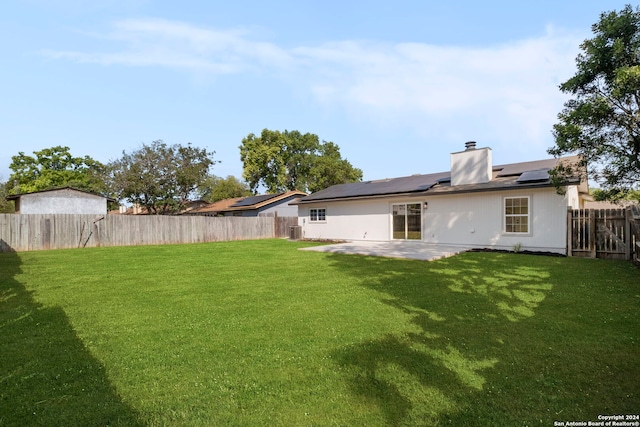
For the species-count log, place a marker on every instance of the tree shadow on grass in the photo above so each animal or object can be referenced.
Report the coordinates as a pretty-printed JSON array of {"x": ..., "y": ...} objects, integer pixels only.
[
  {"x": 464, "y": 319},
  {"x": 47, "y": 376}
]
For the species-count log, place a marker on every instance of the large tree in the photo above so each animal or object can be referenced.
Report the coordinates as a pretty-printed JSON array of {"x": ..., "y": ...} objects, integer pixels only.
[
  {"x": 160, "y": 177},
  {"x": 601, "y": 122},
  {"x": 215, "y": 188},
  {"x": 290, "y": 160},
  {"x": 53, "y": 168},
  {"x": 6, "y": 206}
]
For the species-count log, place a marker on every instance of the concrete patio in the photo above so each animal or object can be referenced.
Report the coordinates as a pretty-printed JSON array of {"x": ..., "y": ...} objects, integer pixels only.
[{"x": 394, "y": 249}]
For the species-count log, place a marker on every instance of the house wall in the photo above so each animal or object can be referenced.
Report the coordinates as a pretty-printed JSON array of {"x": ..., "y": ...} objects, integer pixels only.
[
  {"x": 574, "y": 200},
  {"x": 351, "y": 220},
  {"x": 477, "y": 220},
  {"x": 471, "y": 219},
  {"x": 62, "y": 202},
  {"x": 282, "y": 209}
]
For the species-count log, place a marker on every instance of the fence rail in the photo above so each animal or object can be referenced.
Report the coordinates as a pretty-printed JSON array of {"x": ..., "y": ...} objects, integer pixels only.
[
  {"x": 38, "y": 232},
  {"x": 603, "y": 233}
]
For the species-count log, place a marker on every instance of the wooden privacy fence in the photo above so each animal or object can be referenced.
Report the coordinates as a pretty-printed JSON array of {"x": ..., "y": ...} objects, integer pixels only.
[
  {"x": 604, "y": 233},
  {"x": 36, "y": 232}
]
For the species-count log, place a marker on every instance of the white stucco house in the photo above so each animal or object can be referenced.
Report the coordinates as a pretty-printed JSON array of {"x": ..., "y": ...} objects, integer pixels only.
[
  {"x": 475, "y": 204},
  {"x": 65, "y": 200}
]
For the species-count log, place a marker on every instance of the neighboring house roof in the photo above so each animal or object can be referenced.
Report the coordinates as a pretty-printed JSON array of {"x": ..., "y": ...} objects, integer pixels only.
[
  {"x": 246, "y": 203},
  {"x": 260, "y": 201},
  {"x": 17, "y": 196},
  {"x": 509, "y": 176},
  {"x": 194, "y": 204},
  {"x": 136, "y": 209},
  {"x": 215, "y": 207}
]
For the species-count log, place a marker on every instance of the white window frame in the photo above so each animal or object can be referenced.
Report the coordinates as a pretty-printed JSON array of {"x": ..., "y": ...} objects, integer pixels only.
[
  {"x": 319, "y": 213},
  {"x": 526, "y": 215}
]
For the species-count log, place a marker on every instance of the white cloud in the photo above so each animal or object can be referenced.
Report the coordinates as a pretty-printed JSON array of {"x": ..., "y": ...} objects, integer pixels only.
[
  {"x": 159, "y": 42},
  {"x": 510, "y": 89},
  {"x": 439, "y": 80},
  {"x": 506, "y": 93}
]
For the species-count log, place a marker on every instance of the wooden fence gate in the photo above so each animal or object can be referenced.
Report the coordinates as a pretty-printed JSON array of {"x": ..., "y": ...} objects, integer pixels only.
[{"x": 603, "y": 233}]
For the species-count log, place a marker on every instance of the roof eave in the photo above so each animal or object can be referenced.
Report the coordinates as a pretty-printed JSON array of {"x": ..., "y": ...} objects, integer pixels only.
[
  {"x": 365, "y": 197},
  {"x": 452, "y": 190}
]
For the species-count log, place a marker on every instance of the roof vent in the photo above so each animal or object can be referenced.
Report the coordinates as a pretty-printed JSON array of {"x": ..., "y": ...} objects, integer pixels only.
[{"x": 470, "y": 145}]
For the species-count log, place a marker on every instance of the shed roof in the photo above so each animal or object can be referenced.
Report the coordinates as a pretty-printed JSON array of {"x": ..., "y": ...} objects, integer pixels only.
[{"x": 59, "y": 189}]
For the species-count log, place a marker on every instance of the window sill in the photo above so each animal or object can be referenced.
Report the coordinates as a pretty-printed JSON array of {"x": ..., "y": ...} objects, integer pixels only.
[{"x": 506, "y": 233}]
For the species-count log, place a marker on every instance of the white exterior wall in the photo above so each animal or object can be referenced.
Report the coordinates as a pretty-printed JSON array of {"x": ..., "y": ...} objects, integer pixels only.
[
  {"x": 351, "y": 220},
  {"x": 573, "y": 197},
  {"x": 62, "y": 202},
  {"x": 477, "y": 220},
  {"x": 470, "y": 219},
  {"x": 282, "y": 209}
]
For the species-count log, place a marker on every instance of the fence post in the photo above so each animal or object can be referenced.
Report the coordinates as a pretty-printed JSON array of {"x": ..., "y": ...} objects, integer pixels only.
[
  {"x": 569, "y": 231},
  {"x": 627, "y": 234},
  {"x": 592, "y": 232}
]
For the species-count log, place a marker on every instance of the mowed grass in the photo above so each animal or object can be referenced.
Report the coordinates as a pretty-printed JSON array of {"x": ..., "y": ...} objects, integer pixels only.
[{"x": 260, "y": 333}]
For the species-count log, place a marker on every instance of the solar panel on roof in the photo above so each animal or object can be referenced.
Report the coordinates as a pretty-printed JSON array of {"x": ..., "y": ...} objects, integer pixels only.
[
  {"x": 533, "y": 176},
  {"x": 406, "y": 184}
]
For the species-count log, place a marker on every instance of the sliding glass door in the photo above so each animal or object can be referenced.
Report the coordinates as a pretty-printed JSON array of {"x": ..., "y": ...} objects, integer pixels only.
[{"x": 407, "y": 221}]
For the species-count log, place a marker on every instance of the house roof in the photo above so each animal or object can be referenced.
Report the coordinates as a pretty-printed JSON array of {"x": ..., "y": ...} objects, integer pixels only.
[
  {"x": 219, "y": 206},
  {"x": 247, "y": 203},
  {"x": 522, "y": 167},
  {"x": 17, "y": 196},
  {"x": 407, "y": 184},
  {"x": 515, "y": 175},
  {"x": 257, "y": 202}
]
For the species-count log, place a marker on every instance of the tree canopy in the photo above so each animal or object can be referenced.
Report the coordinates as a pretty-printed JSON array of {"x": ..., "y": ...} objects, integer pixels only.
[
  {"x": 290, "y": 160},
  {"x": 215, "y": 188},
  {"x": 601, "y": 122},
  {"x": 599, "y": 194},
  {"x": 6, "y": 206},
  {"x": 160, "y": 177},
  {"x": 55, "y": 167}
]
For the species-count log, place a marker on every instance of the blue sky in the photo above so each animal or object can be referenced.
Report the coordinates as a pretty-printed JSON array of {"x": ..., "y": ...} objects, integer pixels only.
[{"x": 397, "y": 85}]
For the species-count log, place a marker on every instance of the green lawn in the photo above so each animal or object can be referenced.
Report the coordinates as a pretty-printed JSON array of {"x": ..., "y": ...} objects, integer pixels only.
[{"x": 259, "y": 333}]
